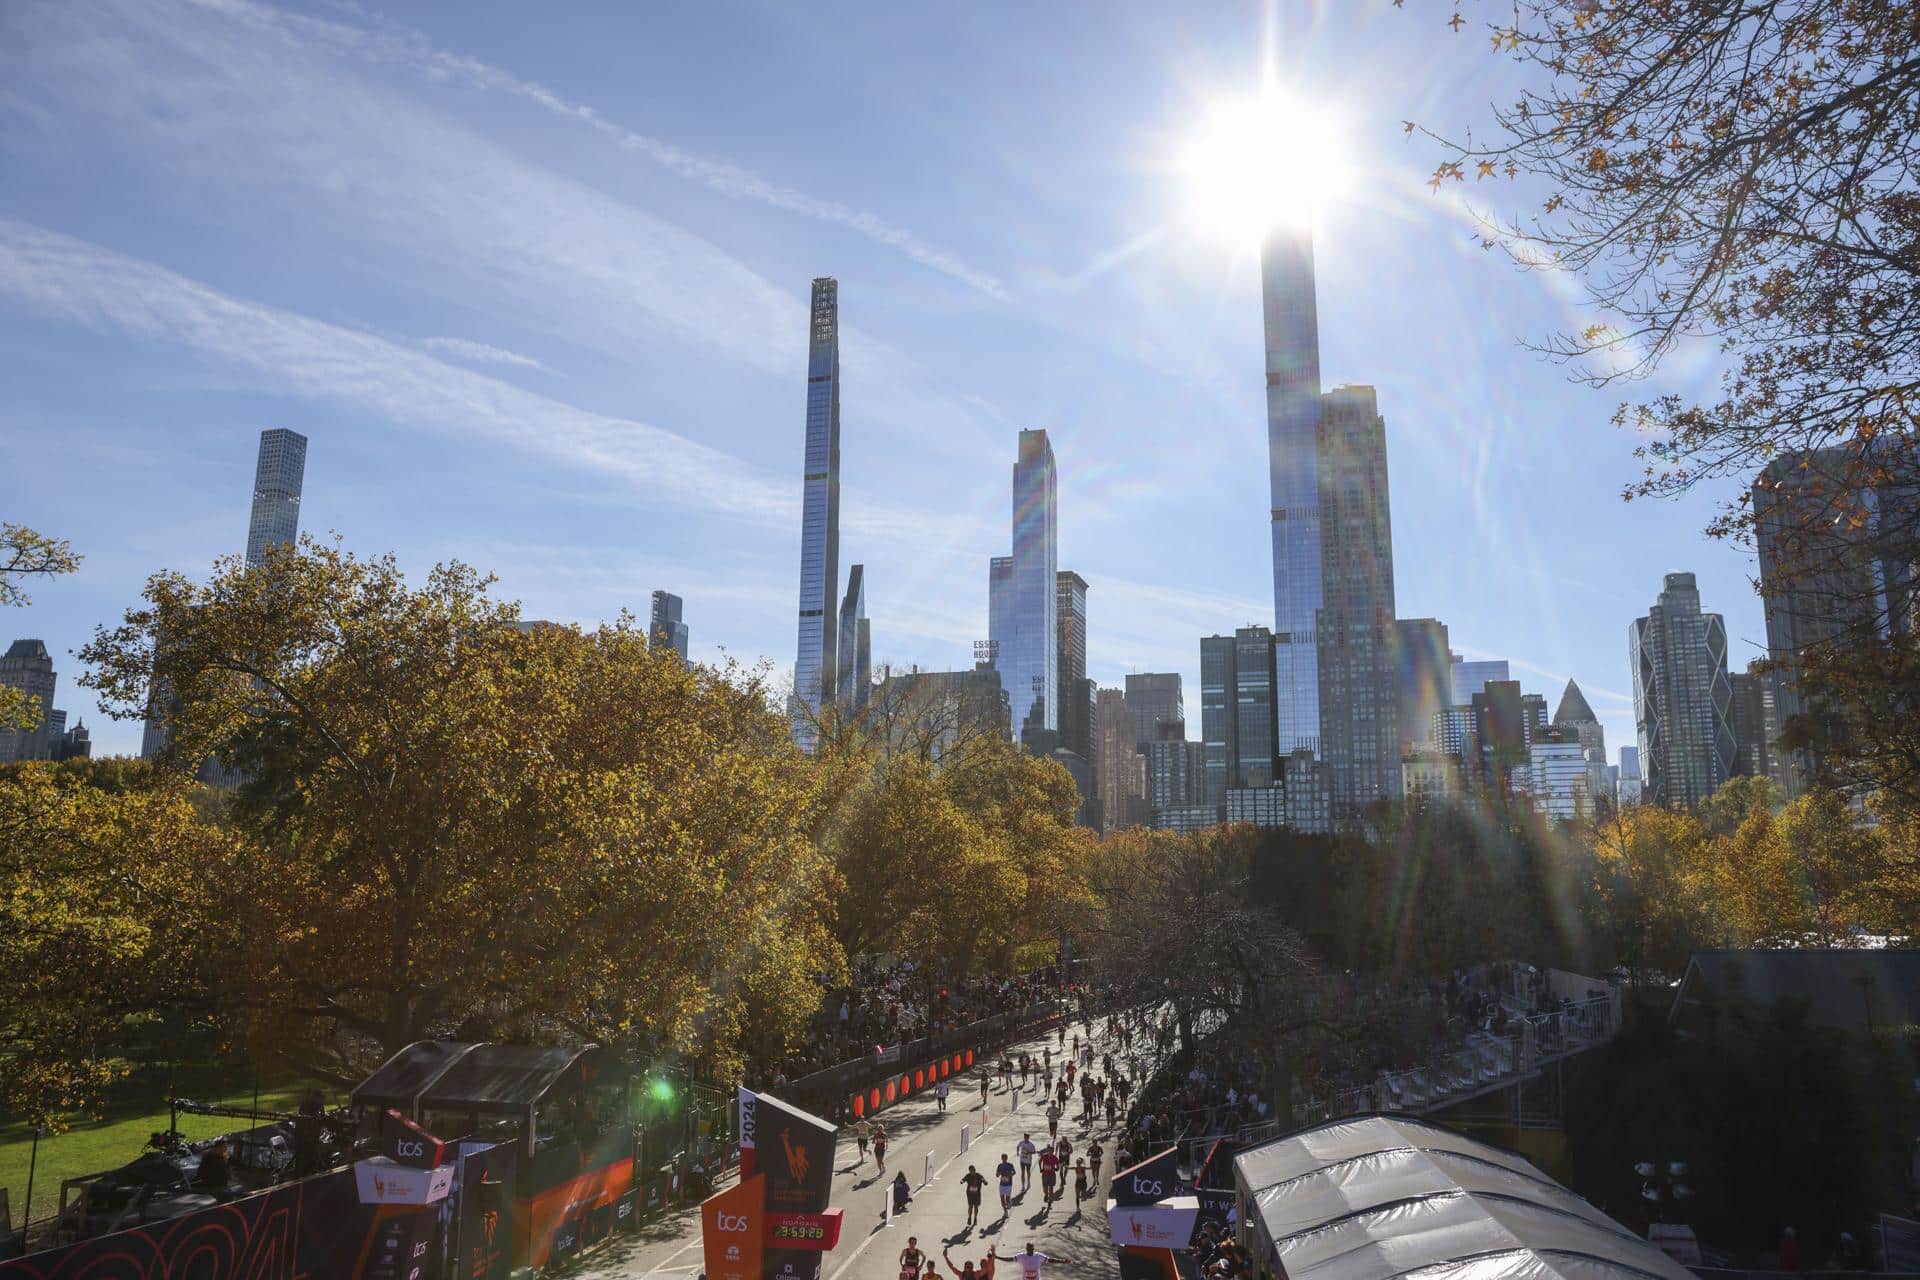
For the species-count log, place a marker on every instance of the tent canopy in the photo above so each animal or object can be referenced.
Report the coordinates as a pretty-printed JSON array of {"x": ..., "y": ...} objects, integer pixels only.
[
  {"x": 444, "y": 1075},
  {"x": 1373, "y": 1197}
]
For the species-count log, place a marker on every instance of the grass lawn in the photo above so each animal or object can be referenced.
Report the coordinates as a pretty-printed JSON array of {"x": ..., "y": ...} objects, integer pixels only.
[{"x": 95, "y": 1145}]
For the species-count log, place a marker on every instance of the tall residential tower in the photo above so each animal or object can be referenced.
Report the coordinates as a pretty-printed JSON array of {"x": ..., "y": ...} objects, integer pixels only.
[
  {"x": 815, "y": 668},
  {"x": 1682, "y": 697},
  {"x": 1022, "y": 606},
  {"x": 1293, "y": 415},
  {"x": 278, "y": 475}
]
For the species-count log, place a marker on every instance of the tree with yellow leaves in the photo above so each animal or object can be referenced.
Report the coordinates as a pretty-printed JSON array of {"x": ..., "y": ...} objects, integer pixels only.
[{"x": 451, "y": 825}]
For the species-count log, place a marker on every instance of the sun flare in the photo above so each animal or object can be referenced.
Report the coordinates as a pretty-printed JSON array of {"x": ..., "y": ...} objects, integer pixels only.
[{"x": 1263, "y": 163}]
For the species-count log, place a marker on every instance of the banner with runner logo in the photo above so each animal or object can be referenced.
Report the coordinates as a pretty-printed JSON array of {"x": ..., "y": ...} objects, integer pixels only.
[
  {"x": 797, "y": 1159},
  {"x": 747, "y": 1101},
  {"x": 730, "y": 1227}
]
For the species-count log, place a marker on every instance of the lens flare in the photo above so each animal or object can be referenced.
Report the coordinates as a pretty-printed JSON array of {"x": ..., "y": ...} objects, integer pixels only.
[{"x": 1263, "y": 163}]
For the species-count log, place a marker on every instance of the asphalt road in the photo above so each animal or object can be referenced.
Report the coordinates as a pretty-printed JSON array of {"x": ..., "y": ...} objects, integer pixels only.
[{"x": 670, "y": 1248}]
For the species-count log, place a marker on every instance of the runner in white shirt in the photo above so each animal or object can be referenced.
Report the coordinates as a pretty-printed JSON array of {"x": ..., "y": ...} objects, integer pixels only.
[
  {"x": 1031, "y": 1262},
  {"x": 1026, "y": 1150}
]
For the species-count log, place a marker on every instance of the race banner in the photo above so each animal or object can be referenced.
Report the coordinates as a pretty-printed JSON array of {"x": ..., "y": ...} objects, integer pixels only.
[
  {"x": 798, "y": 1164},
  {"x": 746, "y": 1103},
  {"x": 730, "y": 1227},
  {"x": 1153, "y": 1179}
]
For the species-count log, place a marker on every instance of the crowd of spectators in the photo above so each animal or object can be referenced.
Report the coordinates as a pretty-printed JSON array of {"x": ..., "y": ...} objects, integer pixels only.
[{"x": 894, "y": 1002}]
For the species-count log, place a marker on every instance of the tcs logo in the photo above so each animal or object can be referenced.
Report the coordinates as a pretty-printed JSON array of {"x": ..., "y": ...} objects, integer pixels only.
[
  {"x": 410, "y": 1147},
  {"x": 1142, "y": 1187},
  {"x": 730, "y": 1221}
]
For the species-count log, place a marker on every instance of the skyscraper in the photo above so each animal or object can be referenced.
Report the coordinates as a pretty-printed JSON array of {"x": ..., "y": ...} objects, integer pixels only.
[
  {"x": 279, "y": 476},
  {"x": 1426, "y": 678},
  {"x": 664, "y": 628},
  {"x": 1356, "y": 636},
  {"x": 1682, "y": 698},
  {"x": 1291, "y": 324},
  {"x": 855, "y": 659},
  {"x": 1576, "y": 714},
  {"x": 1076, "y": 691},
  {"x": 1833, "y": 528},
  {"x": 29, "y": 668},
  {"x": 1237, "y": 712},
  {"x": 279, "y": 472},
  {"x": 1153, "y": 698},
  {"x": 1119, "y": 769},
  {"x": 1469, "y": 678},
  {"x": 999, "y": 610},
  {"x": 1028, "y": 655},
  {"x": 1756, "y": 723},
  {"x": 815, "y": 675}
]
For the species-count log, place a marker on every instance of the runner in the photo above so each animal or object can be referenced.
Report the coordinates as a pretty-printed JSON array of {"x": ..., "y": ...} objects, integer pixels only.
[
  {"x": 902, "y": 1195},
  {"x": 910, "y": 1259},
  {"x": 1065, "y": 1148},
  {"x": 1004, "y": 1171},
  {"x": 1094, "y": 1154},
  {"x": 1026, "y": 1150},
  {"x": 1049, "y": 1170},
  {"x": 862, "y": 1134},
  {"x": 1080, "y": 1188},
  {"x": 1053, "y": 1121},
  {"x": 966, "y": 1272},
  {"x": 1031, "y": 1262},
  {"x": 974, "y": 1181},
  {"x": 880, "y": 1146},
  {"x": 1111, "y": 1110},
  {"x": 1046, "y": 1055}
]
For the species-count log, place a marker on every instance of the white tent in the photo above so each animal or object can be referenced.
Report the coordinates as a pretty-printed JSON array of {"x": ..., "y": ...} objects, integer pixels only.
[{"x": 1373, "y": 1197}]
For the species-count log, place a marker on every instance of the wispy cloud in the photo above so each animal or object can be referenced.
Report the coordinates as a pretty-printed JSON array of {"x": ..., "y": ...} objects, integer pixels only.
[
  {"x": 482, "y": 353},
  {"x": 256, "y": 112},
  {"x": 397, "y": 45},
  {"x": 84, "y": 283}
]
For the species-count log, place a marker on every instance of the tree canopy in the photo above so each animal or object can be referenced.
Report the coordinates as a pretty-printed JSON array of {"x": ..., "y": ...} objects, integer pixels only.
[{"x": 451, "y": 825}]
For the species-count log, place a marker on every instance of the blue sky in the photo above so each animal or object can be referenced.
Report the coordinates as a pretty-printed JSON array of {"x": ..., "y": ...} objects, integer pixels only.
[{"x": 533, "y": 280}]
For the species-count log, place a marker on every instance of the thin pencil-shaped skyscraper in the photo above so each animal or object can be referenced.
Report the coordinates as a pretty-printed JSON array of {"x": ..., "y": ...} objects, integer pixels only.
[{"x": 815, "y": 668}]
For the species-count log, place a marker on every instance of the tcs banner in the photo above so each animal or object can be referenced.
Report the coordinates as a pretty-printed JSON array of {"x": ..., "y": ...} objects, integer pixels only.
[{"x": 730, "y": 1227}]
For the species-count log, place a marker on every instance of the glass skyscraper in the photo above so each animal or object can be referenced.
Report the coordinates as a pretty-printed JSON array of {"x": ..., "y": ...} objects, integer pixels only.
[
  {"x": 1359, "y": 684},
  {"x": 664, "y": 628},
  {"x": 278, "y": 475},
  {"x": 1293, "y": 413},
  {"x": 1682, "y": 697},
  {"x": 815, "y": 668},
  {"x": 1022, "y": 605},
  {"x": 1237, "y": 712},
  {"x": 856, "y": 644},
  {"x": 1076, "y": 715}
]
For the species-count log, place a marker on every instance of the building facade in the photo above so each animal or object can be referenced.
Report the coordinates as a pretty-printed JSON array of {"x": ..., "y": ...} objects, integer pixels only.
[
  {"x": 934, "y": 713},
  {"x": 28, "y": 668},
  {"x": 279, "y": 474},
  {"x": 1835, "y": 531},
  {"x": 1357, "y": 634},
  {"x": 1576, "y": 715},
  {"x": 1154, "y": 698},
  {"x": 1557, "y": 779},
  {"x": 1755, "y": 714},
  {"x": 1077, "y": 710},
  {"x": 1263, "y": 806},
  {"x": 1237, "y": 712},
  {"x": 665, "y": 630},
  {"x": 854, "y": 661},
  {"x": 1119, "y": 767},
  {"x": 1026, "y": 648},
  {"x": 1292, "y": 331},
  {"x": 1426, "y": 678},
  {"x": 815, "y": 669},
  {"x": 1469, "y": 678},
  {"x": 1682, "y": 697}
]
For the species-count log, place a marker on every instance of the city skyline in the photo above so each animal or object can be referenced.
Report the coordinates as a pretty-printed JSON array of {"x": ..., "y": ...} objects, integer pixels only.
[{"x": 579, "y": 429}]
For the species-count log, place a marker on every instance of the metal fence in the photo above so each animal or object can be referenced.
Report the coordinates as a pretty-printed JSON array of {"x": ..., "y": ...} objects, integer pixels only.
[{"x": 1484, "y": 1061}]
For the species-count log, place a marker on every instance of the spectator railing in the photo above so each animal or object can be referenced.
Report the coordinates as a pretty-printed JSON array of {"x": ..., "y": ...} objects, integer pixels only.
[{"x": 1485, "y": 1061}]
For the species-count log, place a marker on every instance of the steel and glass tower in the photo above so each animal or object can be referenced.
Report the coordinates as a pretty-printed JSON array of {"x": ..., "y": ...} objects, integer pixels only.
[
  {"x": 856, "y": 645},
  {"x": 1293, "y": 413},
  {"x": 815, "y": 667},
  {"x": 1028, "y": 656},
  {"x": 278, "y": 475}
]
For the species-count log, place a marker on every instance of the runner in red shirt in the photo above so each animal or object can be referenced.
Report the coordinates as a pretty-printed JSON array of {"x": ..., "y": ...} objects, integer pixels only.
[{"x": 1049, "y": 1171}]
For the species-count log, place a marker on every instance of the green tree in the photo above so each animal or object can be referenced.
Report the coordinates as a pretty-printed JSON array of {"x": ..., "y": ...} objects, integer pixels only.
[
  {"x": 452, "y": 827},
  {"x": 1737, "y": 799},
  {"x": 1653, "y": 876}
]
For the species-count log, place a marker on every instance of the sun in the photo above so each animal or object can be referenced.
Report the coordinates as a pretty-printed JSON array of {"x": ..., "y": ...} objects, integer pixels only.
[{"x": 1262, "y": 164}]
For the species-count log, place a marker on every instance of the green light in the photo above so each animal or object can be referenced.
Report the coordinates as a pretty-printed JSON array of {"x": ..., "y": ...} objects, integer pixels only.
[{"x": 661, "y": 1089}]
